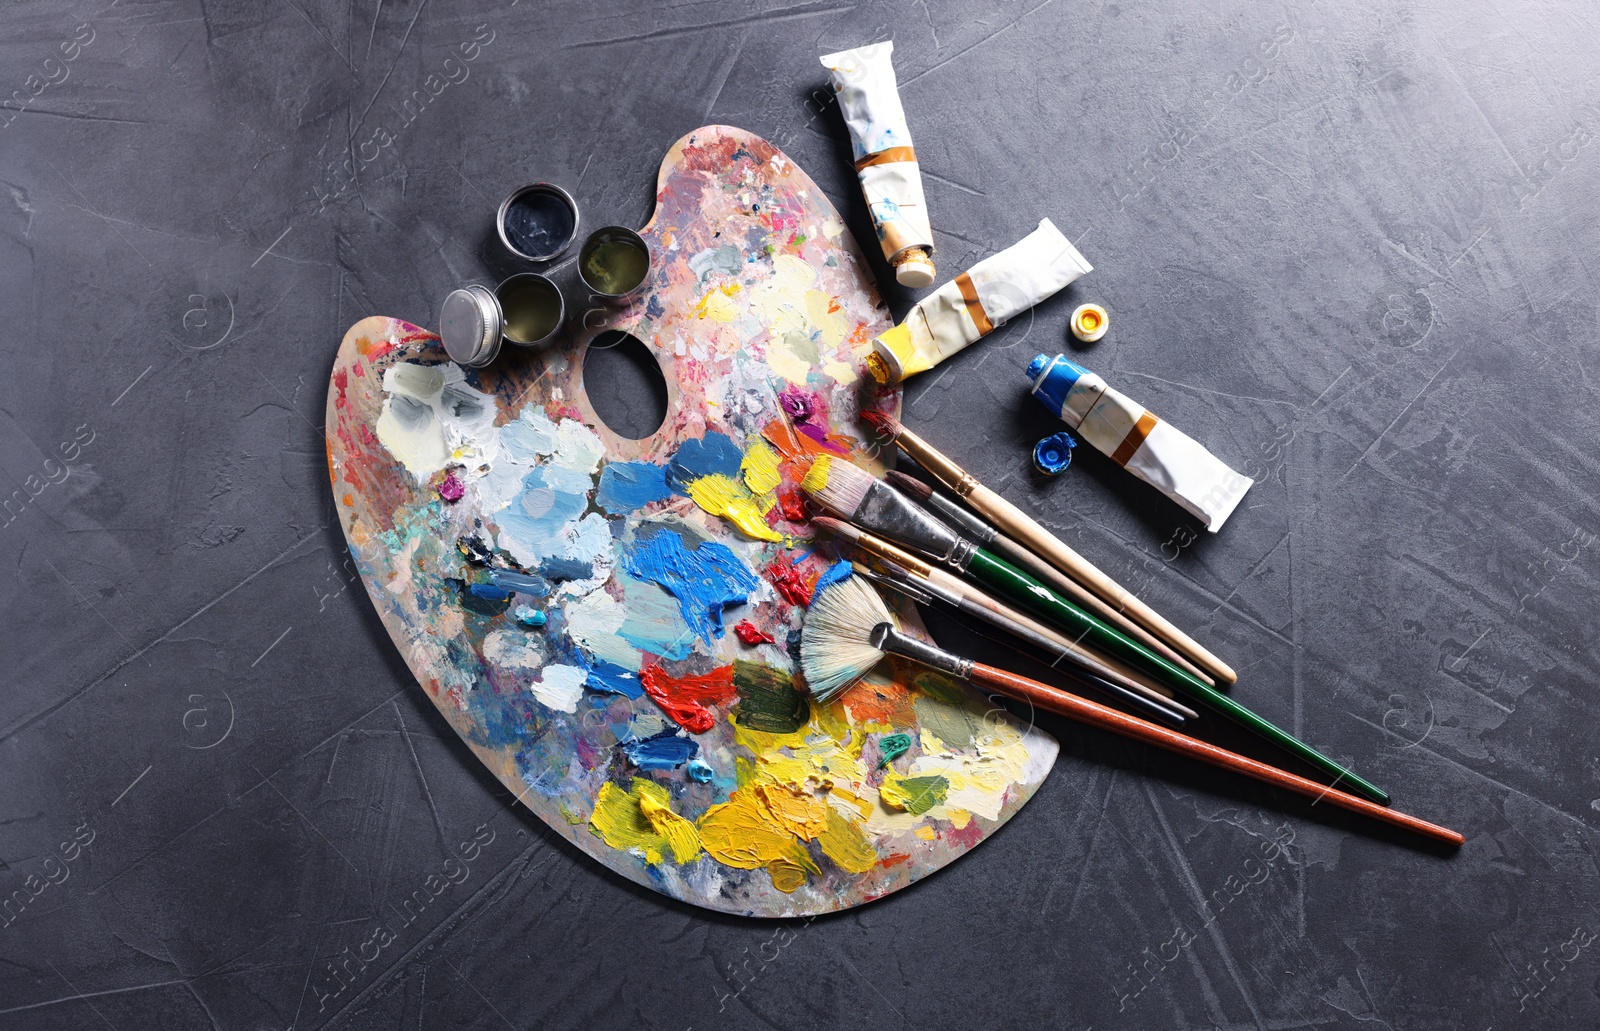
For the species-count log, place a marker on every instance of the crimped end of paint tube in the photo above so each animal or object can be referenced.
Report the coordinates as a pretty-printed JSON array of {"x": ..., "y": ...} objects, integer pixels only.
[
  {"x": 1053, "y": 454},
  {"x": 913, "y": 268},
  {"x": 1089, "y": 322}
]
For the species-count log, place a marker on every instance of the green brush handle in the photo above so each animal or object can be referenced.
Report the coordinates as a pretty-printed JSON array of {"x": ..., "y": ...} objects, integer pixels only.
[{"x": 1007, "y": 579}]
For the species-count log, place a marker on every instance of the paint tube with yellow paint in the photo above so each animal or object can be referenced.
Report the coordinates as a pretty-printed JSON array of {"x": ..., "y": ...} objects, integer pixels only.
[
  {"x": 976, "y": 303},
  {"x": 1154, "y": 450},
  {"x": 890, "y": 178}
]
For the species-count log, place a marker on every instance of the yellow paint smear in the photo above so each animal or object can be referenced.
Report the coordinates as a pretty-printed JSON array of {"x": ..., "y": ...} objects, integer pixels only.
[
  {"x": 926, "y": 833},
  {"x": 816, "y": 477},
  {"x": 718, "y": 304},
  {"x": 795, "y": 809},
  {"x": 845, "y": 844},
  {"x": 642, "y": 818},
  {"x": 742, "y": 833},
  {"x": 724, "y": 496},
  {"x": 787, "y": 875},
  {"x": 760, "y": 468}
]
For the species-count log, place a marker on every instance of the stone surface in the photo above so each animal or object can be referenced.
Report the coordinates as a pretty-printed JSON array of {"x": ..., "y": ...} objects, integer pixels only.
[{"x": 1345, "y": 247}]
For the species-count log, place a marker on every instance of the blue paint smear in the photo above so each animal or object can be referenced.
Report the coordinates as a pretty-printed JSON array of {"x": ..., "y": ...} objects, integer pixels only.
[
  {"x": 613, "y": 679},
  {"x": 840, "y": 570},
  {"x": 713, "y": 453},
  {"x": 663, "y": 751},
  {"x": 536, "y": 517},
  {"x": 562, "y": 569},
  {"x": 489, "y": 592},
  {"x": 522, "y": 583},
  {"x": 700, "y": 771},
  {"x": 629, "y": 486},
  {"x": 529, "y": 617},
  {"x": 705, "y": 580}
]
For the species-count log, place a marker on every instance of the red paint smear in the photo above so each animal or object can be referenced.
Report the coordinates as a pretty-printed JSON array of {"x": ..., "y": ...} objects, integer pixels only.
[
  {"x": 379, "y": 351},
  {"x": 792, "y": 505},
  {"x": 361, "y": 368},
  {"x": 750, "y": 634},
  {"x": 685, "y": 698},
  {"x": 894, "y": 859},
  {"x": 787, "y": 580},
  {"x": 341, "y": 379},
  {"x": 965, "y": 837}
]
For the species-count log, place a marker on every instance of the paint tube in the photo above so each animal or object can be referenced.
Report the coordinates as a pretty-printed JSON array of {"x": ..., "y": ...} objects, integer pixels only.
[
  {"x": 885, "y": 163},
  {"x": 1149, "y": 448},
  {"x": 977, "y": 302}
]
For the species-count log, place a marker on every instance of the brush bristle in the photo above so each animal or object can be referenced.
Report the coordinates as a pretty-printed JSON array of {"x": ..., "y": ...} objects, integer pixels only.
[
  {"x": 836, "y": 641},
  {"x": 909, "y": 484},
  {"x": 837, "y": 485}
]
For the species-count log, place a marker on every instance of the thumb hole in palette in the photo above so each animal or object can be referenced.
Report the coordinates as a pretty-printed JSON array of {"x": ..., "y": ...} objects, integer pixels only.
[{"x": 624, "y": 384}]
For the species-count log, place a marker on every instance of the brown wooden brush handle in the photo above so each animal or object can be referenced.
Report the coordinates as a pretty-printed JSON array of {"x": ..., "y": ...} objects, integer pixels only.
[{"x": 1084, "y": 711}]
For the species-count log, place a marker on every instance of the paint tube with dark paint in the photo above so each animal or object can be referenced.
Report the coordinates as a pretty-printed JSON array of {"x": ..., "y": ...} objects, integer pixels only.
[
  {"x": 1149, "y": 448},
  {"x": 977, "y": 302},
  {"x": 891, "y": 180}
]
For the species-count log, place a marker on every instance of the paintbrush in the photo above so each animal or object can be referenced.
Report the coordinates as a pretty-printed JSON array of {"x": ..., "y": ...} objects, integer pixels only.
[
  {"x": 931, "y": 577},
  {"x": 852, "y": 493},
  {"x": 981, "y": 533},
  {"x": 1194, "y": 688},
  {"x": 924, "y": 593},
  {"x": 848, "y": 630},
  {"x": 1027, "y": 531}
]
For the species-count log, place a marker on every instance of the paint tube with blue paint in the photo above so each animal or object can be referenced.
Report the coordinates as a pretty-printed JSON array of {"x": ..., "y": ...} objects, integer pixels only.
[
  {"x": 1149, "y": 448},
  {"x": 891, "y": 180},
  {"x": 976, "y": 303}
]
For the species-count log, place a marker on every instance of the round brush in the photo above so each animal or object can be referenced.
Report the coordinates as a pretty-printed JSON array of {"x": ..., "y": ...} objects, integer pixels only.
[{"x": 849, "y": 629}]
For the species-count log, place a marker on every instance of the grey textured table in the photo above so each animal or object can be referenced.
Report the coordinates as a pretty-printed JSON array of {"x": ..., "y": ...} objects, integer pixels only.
[{"x": 1350, "y": 247}]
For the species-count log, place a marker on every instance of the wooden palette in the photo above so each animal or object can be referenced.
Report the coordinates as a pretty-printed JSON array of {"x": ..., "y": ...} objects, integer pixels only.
[{"x": 608, "y": 623}]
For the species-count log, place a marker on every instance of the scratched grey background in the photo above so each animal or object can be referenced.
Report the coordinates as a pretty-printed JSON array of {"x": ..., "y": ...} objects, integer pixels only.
[{"x": 1349, "y": 246}]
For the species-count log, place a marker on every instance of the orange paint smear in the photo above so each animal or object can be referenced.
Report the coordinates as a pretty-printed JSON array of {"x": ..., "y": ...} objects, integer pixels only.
[
  {"x": 684, "y": 699},
  {"x": 881, "y": 702}
]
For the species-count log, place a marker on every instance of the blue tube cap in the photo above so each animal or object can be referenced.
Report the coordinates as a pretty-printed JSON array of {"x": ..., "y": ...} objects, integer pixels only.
[{"x": 1053, "y": 454}]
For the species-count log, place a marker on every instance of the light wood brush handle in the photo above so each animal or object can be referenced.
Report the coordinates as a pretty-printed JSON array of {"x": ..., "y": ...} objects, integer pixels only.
[{"x": 1084, "y": 711}]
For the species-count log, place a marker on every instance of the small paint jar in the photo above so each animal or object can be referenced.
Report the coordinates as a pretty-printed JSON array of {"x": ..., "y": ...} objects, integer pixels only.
[
  {"x": 614, "y": 262},
  {"x": 531, "y": 309},
  {"x": 526, "y": 311},
  {"x": 538, "y": 222},
  {"x": 1089, "y": 322},
  {"x": 1053, "y": 454}
]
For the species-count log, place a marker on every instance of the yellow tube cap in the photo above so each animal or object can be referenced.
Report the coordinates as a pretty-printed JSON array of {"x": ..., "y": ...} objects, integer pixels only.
[{"x": 1090, "y": 322}]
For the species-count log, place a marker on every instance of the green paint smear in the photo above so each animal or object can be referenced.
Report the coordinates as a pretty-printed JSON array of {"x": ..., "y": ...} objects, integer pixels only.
[
  {"x": 923, "y": 793},
  {"x": 958, "y": 724},
  {"x": 939, "y": 686},
  {"x": 768, "y": 701},
  {"x": 892, "y": 747}
]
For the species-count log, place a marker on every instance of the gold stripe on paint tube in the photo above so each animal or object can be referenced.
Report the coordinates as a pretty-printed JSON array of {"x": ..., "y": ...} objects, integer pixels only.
[
  {"x": 886, "y": 157},
  {"x": 1135, "y": 437},
  {"x": 969, "y": 294}
]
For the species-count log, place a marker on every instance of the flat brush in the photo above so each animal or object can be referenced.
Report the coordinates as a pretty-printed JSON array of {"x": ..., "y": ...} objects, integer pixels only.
[
  {"x": 974, "y": 528},
  {"x": 931, "y": 577},
  {"x": 849, "y": 629},
  {"x": 1027, "y": 531},
  {"x": 926, "y": 593},
  {"x": 852, "y": 493}
]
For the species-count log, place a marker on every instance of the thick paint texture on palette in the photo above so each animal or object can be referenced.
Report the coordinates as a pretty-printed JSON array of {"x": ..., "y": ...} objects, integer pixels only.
[{"x": 605, "y": 621}]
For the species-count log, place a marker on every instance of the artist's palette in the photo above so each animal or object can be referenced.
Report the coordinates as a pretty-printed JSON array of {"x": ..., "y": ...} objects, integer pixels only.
[{"x": 608, "y": 623}]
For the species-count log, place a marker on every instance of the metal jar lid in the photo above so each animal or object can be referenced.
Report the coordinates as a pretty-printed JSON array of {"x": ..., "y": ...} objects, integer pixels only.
[{"x": 469, "y": 325}]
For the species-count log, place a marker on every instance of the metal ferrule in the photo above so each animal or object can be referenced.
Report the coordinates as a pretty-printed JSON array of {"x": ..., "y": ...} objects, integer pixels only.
[
  {"x": 885, "y": 510},
  {"x": 887, "y": 639},
  {"x": 968, "y": 524}
]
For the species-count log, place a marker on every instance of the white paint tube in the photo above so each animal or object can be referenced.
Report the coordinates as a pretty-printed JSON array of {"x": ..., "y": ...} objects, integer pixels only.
[
  {"x": 1154, "y": 450},
  {"x": 977, "y": 302},
  {"x": 885, "y": 163}
]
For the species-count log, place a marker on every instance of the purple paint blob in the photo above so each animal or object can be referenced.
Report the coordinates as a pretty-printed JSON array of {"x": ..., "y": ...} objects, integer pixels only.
[{"x": 452, "y": 489}]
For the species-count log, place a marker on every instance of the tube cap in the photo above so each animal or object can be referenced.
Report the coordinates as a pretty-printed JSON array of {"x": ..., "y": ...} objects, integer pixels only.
[
  {"x": 914, "y": 269},
  {"x": 1053, "y": 454},
  {"x": 1089, "y": 322}
]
